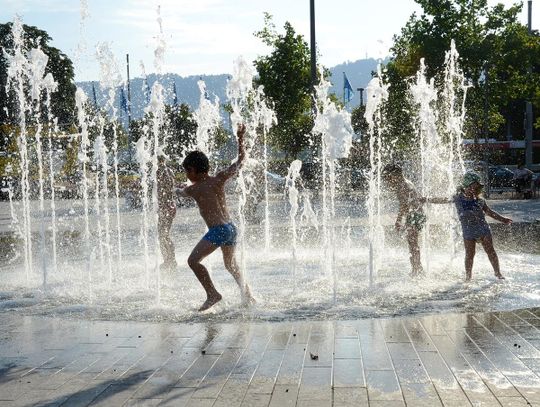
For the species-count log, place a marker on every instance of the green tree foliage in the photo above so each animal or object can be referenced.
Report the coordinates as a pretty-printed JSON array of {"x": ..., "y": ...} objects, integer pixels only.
[
  {"x": 62, "y": 101},
  {"x": 59, "y": 65},
  {"x": 495, "y": 50},
  {"x": 286, "y": 76}
]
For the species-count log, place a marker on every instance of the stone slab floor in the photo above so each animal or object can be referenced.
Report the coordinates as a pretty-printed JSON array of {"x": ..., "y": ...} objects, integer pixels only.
[{"x": 484, "y": 359}]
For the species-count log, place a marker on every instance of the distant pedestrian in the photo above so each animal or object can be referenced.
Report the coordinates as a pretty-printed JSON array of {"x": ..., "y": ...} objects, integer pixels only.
[{"x": 522, "y": 180}]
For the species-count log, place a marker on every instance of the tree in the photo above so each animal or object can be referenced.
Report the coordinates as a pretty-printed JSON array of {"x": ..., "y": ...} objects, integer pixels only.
[
  {"x": 59, "y": 65},
  {"x": 286, "y": 76},
  {"x": 495, "y": 54},
  {"x": 62, "y": 101}
]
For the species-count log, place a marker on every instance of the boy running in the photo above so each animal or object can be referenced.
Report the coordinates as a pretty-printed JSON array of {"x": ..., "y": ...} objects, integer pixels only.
[{"x": 208, "y": 192}]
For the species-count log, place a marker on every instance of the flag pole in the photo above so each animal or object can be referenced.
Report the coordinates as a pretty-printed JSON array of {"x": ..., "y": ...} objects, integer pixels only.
[
  {"x": 128, "y": 108},
  {"x": 343, "y": 89},
  {"x": 313, "y": 53}
]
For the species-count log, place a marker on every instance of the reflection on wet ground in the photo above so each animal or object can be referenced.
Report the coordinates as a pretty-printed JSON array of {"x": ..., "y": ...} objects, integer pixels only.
[{"x": 479, "y": 359}]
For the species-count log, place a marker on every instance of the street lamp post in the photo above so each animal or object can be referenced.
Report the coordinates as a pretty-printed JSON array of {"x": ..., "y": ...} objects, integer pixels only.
[
  {"x": 313, "y": 46},
  {"x": 528, "y": 108}
]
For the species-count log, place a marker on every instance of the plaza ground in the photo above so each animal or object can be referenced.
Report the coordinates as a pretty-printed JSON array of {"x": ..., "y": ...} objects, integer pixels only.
[{"x": 469, "y": 359}]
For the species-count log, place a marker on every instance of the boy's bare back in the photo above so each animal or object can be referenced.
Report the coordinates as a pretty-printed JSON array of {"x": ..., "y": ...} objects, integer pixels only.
[{"x": 209, "y": 194}]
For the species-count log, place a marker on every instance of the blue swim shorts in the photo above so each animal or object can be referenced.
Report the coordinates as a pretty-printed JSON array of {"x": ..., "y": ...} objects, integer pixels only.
[{"x": 222, "y": 235}]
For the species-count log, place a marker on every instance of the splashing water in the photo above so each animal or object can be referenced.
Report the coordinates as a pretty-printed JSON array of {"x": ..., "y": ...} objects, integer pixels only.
[
  {"x": 292, "y": 190},
  {"x": 377, "y": 94},
  {"x": 208, "y": 118},
  {"x": 360, "y": 275},
  {"x": 110, "y": 79},
  {"x": 335, "y": 130}
]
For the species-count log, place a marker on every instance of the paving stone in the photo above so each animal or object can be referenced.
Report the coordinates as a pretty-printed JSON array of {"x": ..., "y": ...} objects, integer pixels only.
[
  {"x": 348, "y": 373},
  {"x": 284, "y": 396},
  {"x": 316, "y": 384},
  {"x": 440, "y": 360},
  {"x": 383, "y": 385},
  {"x": 350, "y": 397}
]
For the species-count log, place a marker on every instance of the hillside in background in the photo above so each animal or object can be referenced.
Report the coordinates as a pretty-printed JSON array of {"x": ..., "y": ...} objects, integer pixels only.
[{"x": 358, "y": 72}]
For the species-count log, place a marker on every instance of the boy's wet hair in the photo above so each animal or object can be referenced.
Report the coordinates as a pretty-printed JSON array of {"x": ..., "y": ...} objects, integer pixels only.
[
  {"x": 392, "y": 169},
  {"x": 197, "y": 160}
]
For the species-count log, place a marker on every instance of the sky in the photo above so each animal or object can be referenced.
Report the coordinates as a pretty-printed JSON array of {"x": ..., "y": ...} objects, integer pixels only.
[{"x": 206, "y": 36}]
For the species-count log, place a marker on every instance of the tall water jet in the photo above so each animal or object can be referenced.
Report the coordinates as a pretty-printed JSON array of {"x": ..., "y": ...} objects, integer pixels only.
[
  {"x": 439, "y": 125},
  {"x": 292, "y": 191},
  {"x": 452, "y": 114},
  {"x": 156, "y": 110},
  {"x": 239, "y": 88},
  {"x": 208, "y": 119},
  {"x": 424, "y": 96},
  {"x": 17, "y": 76},
  {"x": 110, "y": 79},
  {"x": 266, "y": 118},
  {"x": 52, "y": 124},
  {"x": 143, "y": 157},
  {"x": 334, "y": 127},
  {"x": 377, "y": 95},
  {"x": 39, "y": 82},
  {"x": 101, "y": 201},
  {"x": 83, "y": 159}
]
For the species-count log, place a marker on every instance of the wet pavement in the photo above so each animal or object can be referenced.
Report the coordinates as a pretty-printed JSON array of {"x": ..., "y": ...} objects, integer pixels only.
[{"x": 469, "y": 359}]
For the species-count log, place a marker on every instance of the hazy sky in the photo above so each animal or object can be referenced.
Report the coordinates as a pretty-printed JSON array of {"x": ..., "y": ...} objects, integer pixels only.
[{"x": 205, "y": 36}]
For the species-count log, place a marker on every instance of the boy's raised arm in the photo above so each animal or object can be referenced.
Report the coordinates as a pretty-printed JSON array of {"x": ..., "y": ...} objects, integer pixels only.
[{"x": 233, "y": 168}]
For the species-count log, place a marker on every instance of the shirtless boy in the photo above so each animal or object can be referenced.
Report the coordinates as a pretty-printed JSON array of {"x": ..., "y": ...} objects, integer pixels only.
[{"x": 208, "y": 192}]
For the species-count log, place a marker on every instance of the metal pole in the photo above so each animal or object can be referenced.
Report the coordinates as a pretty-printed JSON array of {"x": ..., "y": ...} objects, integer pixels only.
[
  {"x": 343, "y": 88},
  {"x": 313, "y": 46},
  {"x": 361, "y": 92},
  {"x": 486, "y": 131},
  {"x": 529, "y": 109},
  {"x": 128, "y": 107}
]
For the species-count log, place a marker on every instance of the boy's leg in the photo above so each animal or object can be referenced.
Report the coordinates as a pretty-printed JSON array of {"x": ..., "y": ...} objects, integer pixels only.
[
  {"x": 470, "y": 250},
  {"x": 414, "y": 251},
  {"x": 487, "y": 243},
  {"x": 229, "y": 260},
  {"x": 200, "y": 251}
]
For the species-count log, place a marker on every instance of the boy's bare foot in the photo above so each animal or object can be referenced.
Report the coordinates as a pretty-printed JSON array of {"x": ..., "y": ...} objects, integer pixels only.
[
  {"x": 499, "y": 276},
  {"x": 210, "y": 301},
  {"x": 248, "y": 301},
  {"x": 467, "y": 279},
  {"x": 247, "y": 298}
]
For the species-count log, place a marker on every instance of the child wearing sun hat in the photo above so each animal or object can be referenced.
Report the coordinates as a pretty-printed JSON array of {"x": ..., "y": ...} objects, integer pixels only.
[{"x": 472, "y": 208}]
